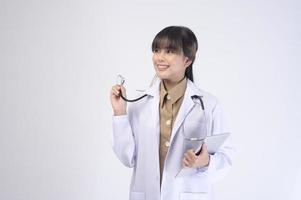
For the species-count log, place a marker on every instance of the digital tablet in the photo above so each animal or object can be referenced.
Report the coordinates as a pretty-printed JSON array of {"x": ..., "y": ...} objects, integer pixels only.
[{"x": 213, "y": 143}]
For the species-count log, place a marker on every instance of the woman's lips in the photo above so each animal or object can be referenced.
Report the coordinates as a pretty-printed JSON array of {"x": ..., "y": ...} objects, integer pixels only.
[{"x": 162, "y": 66}]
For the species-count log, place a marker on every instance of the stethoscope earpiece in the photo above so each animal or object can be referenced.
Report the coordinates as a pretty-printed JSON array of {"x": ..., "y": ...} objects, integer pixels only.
[{"x": 200, "y": 99}]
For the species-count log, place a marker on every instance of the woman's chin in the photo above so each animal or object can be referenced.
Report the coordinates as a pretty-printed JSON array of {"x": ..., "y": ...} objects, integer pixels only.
[{"x": 162, "y": 76}]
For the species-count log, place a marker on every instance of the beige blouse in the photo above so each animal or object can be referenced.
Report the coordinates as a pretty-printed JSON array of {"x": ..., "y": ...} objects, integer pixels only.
[{"x": 170, "y": 102}]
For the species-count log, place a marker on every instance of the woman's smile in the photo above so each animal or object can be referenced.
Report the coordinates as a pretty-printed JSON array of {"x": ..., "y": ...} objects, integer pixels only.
[{"x": 162, "y": 67}]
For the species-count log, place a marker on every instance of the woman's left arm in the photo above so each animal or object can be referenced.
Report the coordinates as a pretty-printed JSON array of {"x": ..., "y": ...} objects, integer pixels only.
[{"x": 221, "y": 161}]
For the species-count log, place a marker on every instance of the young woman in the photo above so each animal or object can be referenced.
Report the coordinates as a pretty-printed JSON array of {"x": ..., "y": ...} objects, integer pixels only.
[{"x": 151, "y": 134}]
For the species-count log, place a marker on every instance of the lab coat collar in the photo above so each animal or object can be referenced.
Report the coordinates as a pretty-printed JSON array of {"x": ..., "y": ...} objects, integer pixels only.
[
  {"x": 154, "y": 90},
  {"x": 191, "y": 89}
]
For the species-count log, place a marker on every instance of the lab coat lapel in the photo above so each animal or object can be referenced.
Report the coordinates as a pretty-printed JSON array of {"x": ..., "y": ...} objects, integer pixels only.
[
  {"x": 185, "y": 108},
  {"x": 155, "y": 116},
  {"x": 154, "y": 94}
]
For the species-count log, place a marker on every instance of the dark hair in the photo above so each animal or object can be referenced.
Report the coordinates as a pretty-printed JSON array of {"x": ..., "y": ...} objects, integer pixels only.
[{"x": 178, "y": 38}]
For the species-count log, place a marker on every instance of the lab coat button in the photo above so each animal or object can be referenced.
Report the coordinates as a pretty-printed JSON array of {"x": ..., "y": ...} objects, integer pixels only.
[
  {"x": 167, "y": 144},
  {"x": 168, "y": 122},
  {"x": 168, "y": 97}
]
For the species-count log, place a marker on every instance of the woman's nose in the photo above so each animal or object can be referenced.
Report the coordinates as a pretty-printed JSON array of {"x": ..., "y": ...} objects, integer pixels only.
[{"x": 161, "y": 56}]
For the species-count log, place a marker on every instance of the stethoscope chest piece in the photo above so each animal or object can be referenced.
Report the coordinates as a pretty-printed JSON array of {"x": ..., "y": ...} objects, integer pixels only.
[{"x": 120, "y": 80}]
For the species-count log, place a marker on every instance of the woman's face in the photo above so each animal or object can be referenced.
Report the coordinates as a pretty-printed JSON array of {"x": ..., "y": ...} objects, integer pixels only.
[{"x": 170, "y": 65}]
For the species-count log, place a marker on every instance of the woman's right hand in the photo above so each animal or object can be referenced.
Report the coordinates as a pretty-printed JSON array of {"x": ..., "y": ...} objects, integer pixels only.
[{"x": 118, "y": 104}]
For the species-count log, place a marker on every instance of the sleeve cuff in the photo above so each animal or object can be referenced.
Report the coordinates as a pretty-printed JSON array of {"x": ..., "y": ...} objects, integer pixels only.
[
  {"x": 206, "y": 168},
  {"x": 119, "y": 118}
]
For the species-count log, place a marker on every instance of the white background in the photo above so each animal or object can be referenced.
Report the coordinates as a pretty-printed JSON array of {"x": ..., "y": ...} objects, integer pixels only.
[{"x": 59, "y": 59}]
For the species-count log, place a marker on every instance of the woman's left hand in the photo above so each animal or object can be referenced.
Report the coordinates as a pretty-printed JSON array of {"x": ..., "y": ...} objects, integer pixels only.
[{"x": 193, "y": 161}]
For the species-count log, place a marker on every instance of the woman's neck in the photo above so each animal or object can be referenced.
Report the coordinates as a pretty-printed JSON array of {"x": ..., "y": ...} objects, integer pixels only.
[{"x": 169, "y": 84}]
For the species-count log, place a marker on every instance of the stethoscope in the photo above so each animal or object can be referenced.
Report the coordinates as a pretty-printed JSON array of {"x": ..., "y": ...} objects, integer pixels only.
[{"x": 120, "y": 81}]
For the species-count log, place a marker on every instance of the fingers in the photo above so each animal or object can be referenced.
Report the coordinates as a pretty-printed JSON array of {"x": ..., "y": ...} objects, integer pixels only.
[
  {"x": 122, "y": 89},
  {"x": 204, "y": 149},
  {"x": 190, "y": 155},
  {"x": 185, "y": 162},
  {"x": 116, "y": 89},
  {"x": 189, "y": 159}
]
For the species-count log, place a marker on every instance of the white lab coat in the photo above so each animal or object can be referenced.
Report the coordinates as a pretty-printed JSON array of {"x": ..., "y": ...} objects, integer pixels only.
[{"x": 136, "y": 143}]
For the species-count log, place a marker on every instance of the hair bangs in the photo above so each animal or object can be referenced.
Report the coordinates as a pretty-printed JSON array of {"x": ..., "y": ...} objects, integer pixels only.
[{"x": 167, "y": 42}]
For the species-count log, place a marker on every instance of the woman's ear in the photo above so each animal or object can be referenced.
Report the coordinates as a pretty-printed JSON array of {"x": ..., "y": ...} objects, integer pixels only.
[{"x": 187, "y": 62}]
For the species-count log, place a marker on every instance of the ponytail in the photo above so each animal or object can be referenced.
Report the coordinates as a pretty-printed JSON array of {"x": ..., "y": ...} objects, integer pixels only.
[{"x": 189, "y": 72}]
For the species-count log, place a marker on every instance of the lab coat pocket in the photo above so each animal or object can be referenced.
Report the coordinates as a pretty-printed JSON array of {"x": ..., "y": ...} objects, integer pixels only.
[
  {"x": 194, "y": 129},
  {"x": 137, "y": 196},
  {"x": 193, "y": 196},
  {"x": 195, "y": 123}
]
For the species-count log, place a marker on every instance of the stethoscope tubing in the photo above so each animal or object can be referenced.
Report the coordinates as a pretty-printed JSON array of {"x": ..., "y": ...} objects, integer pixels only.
[{"x": 132, "y": 100}]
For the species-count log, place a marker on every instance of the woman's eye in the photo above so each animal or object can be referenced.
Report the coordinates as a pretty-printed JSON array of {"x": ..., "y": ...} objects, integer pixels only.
[
  {"x": 156, "y": 50},
  {"x": 169, "y": 51}
]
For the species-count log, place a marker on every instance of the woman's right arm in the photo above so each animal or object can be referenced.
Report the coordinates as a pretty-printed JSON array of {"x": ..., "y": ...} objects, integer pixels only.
[{"x": 123, "y": 141}]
